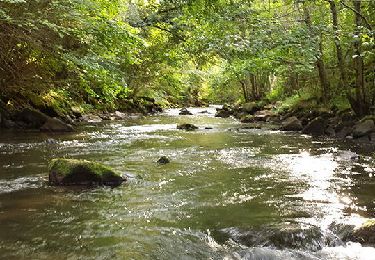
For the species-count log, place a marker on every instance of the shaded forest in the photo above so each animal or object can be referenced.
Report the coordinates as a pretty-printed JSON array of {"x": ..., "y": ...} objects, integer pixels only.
[{"x": 107, "y": 55}]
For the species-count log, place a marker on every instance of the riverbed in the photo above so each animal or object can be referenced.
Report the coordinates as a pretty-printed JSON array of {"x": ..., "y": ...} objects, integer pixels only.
[{"x": 229, "y": 192}]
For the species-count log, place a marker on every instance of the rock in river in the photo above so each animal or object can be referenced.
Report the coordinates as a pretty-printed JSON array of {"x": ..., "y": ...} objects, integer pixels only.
[
  {"x": 365, "y": 234},
  {"x": 187, "y": 127},
  {"x": 56, "y": 125},
  {"x": 185, "y": 111},
  {"x": 82, "y": 172},
  {"x": 363, "y": 128},
  {"x": 163, "y": 160},
  {"x": 291, "y": 124},
  {"x": 316, "y": 127}
]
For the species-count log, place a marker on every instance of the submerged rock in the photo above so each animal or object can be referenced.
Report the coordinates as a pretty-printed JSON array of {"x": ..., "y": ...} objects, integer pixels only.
[
  {"x": 163, "y": 160},
  {"x": 187, "y": 127},
  {"x": 291, "y": 124},
  {"x": 56, "y": 125},
  {"x": 185, "y": 111},
  {"x": 82, "y": 172}
]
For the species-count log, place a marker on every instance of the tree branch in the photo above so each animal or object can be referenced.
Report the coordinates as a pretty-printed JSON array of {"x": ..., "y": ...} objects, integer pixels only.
[{"x": 355, "y": 11}]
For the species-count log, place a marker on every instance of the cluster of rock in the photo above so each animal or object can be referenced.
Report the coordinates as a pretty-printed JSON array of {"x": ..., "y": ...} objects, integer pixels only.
[
  {"x": 316, "y": 123},
  {"x": 300, "y": 237},
  {"x": 46, "y": 118},
  {"x": 33, "y": 119},
  {"x": 338, "y": 126}
]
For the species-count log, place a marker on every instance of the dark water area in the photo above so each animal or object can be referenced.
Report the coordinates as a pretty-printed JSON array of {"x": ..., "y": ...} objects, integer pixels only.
[{"x": 228, "y": 193}]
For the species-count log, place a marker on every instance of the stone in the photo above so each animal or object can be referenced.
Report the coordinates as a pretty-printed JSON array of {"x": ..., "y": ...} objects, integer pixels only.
[
  {"x": 163, "y": 160},
  {"x": 330, "y": 131},
  {"x": 223, "y": 113},
  {"x": 32, "y": 118},
  {"x": 372, "y": 137},
  {"x": 90, "y": 118},
  {"x": 291, "y": 124},
  {"x": 185, "y": 111},
  {"x": 9, "y": 124},
  {"x": 119, "y": 115},
  {"x": 82, "y": 172},
  {"x": 250, "y": 107},
  {"x": 247, "y": 119},
  {"x": 77, "y": 111},
  {"x": 363, "y": 128},
  {"x": 365, "y": 234},
  {"x": 316, "y": 127},
  {"x": 187, "y": 127},
  {"x": 344, "y": 132},
  {"x": 56, "y": 125}
]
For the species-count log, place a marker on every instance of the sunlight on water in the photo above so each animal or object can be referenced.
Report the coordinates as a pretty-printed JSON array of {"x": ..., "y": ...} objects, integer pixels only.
[{"x": 227, "y": 193}]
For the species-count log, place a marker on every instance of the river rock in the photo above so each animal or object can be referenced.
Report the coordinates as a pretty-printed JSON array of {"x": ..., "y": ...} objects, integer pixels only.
[
  {"x": 250, "y": 107},
  {"x": 56, "y": 125},
  {"x": 365, "y": 234},
  {"x": 187, "y": 127},
  {"x": 185, "y": 111},
  {"x": 163, "y": 160},
  {"x": 344, "y": 132},
  {"x": 316, "y": 127},
  {"x": 90, "y": 118},
  {"x": 32, "y": 118},
  {"x": 82, "y": 172},
  {"x": 291, "y": 124},
  {"x": 225, "y": 111},
  {"x": 363, "y": 128},
  {"x": 247, "y": 119},
  {"x": 77, "y": 111}
]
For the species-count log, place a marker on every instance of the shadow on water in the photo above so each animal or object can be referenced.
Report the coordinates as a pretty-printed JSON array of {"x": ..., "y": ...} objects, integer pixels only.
[{"x": 228, "y": 193}]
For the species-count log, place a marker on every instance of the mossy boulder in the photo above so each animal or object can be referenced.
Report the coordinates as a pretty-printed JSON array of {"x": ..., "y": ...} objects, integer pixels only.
[
  {"x": 364, "y": 234},
  {"x": 82, "y": 172}
]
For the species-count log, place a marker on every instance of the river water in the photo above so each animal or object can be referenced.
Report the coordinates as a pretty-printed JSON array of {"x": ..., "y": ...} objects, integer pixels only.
[{"x": 230, "y": 192}]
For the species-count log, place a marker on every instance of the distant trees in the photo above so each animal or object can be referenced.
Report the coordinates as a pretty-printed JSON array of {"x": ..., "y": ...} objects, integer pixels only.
[{"x": 177, "y": 51}]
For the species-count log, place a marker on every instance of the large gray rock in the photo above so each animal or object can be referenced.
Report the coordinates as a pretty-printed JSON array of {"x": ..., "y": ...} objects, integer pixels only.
[
  {"x": 90, "y": 118},
  {"x": 32, "y": 118},
  {"x": 82, "y": 172},
  {"x": 316, "y": 127},
  {"x": 363, "y": 128},
  {"x": 56, "y": 125},
  {"x": 291, "y": 124}
]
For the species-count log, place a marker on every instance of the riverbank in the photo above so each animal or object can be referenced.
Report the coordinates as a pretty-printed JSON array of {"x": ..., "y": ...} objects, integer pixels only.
[
  {"x": 62, "y": 118},
  {"x": 311, "y": 121}
]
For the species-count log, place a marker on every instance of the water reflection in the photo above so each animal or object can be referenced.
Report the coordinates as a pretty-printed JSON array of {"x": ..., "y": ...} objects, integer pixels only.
[{"x": 272, "y": 184}]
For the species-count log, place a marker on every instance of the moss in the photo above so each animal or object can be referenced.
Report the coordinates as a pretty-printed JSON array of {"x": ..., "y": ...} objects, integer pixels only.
[{"x": 81, "y": 172}]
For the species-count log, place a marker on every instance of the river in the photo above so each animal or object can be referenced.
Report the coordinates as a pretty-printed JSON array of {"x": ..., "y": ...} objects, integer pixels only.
[{"x": 230, "y": 192}]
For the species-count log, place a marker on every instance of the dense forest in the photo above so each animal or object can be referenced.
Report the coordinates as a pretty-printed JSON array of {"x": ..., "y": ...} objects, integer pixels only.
[{"x": 107, "y": 55}]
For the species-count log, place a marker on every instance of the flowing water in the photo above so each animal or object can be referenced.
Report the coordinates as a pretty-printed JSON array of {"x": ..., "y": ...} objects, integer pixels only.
[{"x": 230, "y": 192}]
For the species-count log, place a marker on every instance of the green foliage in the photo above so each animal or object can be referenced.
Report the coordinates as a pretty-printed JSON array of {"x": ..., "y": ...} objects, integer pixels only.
[{"x": 99, "y": 52}]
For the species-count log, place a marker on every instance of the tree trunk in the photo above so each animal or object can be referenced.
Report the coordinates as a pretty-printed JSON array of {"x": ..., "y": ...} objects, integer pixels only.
[
  {"x": 319, "y": 60},
  {"x": 358, "y": 62},
  {"x": 340, "y": 57},
  {"x": 244, "y": 90}
]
